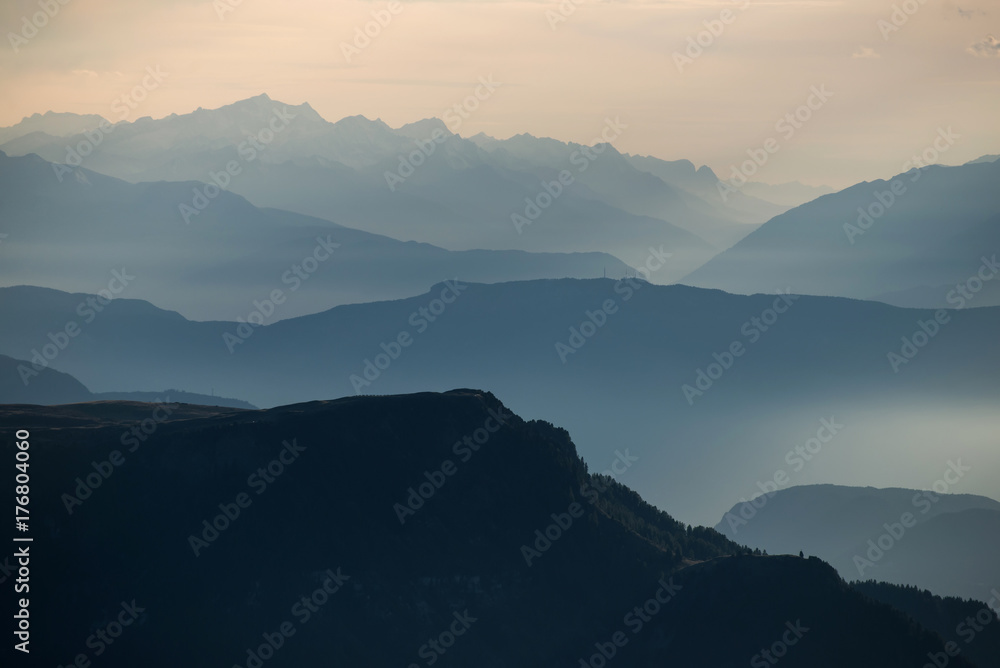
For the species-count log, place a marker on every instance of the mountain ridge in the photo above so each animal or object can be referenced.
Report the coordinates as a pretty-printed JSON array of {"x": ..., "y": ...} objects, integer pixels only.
[
  {"x": 825, "y": 356},
  {"x": 465, "y": 561}
]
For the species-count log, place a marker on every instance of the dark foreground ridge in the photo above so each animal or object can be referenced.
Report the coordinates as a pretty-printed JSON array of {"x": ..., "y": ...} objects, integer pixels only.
[{"x": 416, "y": 530}]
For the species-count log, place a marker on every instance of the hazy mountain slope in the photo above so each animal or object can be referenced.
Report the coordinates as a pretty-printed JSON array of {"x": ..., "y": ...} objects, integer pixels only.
[
  {"x": 935, "y": 232},
  {"x": 968, "y": 542},
  {"x": 758, "y": 201},
  {"x": 471, "y": 206},
  {"x": 73, "y": 234},
  {"x": 32, "y": 143},
  {"x": 326, "y": 517},
  {"x": 51, "y": 123},
  {"x": 823, "y": 359},
  {"x": 837, "y": 523},
  {"x": 47, "y": 387},
  {"x": 833, "y": 517},
  {"x": 703, "y": 182},
  {"x": 617, "y": 180}
]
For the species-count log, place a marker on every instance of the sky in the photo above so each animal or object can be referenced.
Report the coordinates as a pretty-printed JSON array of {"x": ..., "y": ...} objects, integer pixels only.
[{"x": 886, "y": 89}]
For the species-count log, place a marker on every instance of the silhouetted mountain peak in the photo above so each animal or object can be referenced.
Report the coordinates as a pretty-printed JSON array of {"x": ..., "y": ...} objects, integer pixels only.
[
  {"x": 706, "y": 171},
  {"x": 358, "y": 121},
  {"x": 482, "y": 137},
  {"x": 423, "y": 128},
  {"x": 265, "y": 106}
]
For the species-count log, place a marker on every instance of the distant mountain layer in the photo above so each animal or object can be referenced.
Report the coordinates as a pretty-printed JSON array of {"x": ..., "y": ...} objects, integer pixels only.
[
  {"x": 426, "y": 183},
  {"x": 22, "y": 382},
  {"x": 44, "y": 386},
  {"x": 929, "y": 236},
  {"x": 220, "y": 257},
  {"x": 754, "y": 198},
  {"x": 896, "y": 535},
  {"x": 51, "y": 125},
  {"x": 601, "y": 357},
  {"x": 284, "y": 535}
]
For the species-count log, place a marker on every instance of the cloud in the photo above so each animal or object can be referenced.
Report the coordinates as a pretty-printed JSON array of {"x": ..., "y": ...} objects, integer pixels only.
[
  {"x": 85, "y": 73},
  {"x": 988, "y": 47},
  {"x": 865, "y": 52}
]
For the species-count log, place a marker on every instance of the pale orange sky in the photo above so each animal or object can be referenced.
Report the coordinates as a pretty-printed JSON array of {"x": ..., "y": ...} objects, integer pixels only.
[{"x": 607, "y": 58}]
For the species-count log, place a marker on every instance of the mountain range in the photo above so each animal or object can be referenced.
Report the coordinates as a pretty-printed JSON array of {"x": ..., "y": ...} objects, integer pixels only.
[
  {"x": 914, "y": 240},
  {"x": 191, "y": 549},
  {"x": 216, "y": 262},
  {"x": 757, "y": 350},
  {"x": 704, "y": 440},
  {"x": 422, "y": 182}
]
